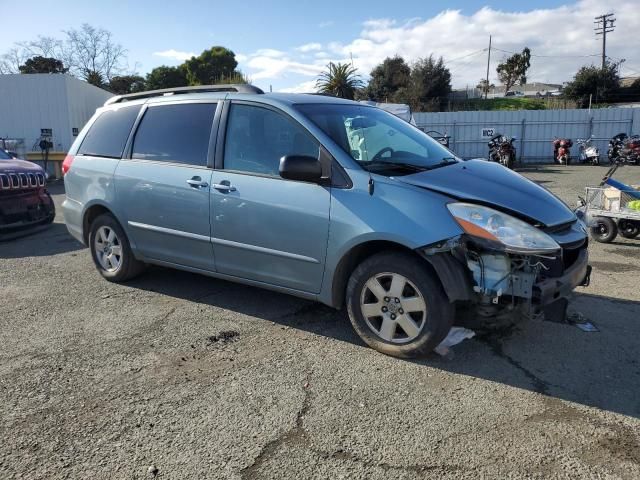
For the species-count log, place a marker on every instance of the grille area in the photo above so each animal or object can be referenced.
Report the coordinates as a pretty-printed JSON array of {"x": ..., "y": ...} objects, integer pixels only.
[{"x": 21, "y": 181}]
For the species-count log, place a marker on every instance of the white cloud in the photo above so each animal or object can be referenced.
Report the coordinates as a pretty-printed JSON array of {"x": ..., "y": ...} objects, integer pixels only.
[
  {"x": 304, "y": 87},
  {"x": 309, "y": 47},
  {"x": 454, "y": 35},
  {"x": 559, "y": 46},
  {"x": 175, "y": 55},
  {"x": 328, "y": 23},
  {"x": 269, "y": 52}
]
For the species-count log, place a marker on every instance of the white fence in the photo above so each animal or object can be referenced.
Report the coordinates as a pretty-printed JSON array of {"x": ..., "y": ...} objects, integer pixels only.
[{"x": 533, "y": 129}]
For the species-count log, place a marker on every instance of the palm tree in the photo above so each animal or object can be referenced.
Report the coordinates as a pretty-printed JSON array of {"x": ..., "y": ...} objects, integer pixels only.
[{"x": 340, "y": 80}]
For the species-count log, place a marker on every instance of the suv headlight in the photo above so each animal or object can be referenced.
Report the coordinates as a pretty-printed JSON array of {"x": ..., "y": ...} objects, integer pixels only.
[{"x": 500, "y": 230}]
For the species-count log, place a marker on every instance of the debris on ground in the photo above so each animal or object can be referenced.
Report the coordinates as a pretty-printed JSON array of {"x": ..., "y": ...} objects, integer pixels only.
[{"x": 454, "y": 337}]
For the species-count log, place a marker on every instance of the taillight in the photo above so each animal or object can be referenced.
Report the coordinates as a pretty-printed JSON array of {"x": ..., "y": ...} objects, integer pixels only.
[{"x": 66, "y": 164}]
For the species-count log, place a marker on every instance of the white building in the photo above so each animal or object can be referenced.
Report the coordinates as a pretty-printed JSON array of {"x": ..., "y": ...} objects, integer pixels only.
[{"x": 34, "y": 105}]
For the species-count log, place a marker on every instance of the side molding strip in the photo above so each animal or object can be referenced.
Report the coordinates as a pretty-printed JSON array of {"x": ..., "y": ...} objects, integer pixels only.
[
  {"x": 268, "y": 251},
  {"x": 170, "y": 231}
]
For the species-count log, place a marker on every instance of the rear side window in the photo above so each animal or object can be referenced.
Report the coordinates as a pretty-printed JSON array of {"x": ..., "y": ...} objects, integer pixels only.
[
  {"x": 108, "y": 134},
  {"x": 178, "y": 133}
]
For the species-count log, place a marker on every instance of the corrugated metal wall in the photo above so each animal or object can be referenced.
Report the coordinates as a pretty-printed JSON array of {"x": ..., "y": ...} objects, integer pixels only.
[
  {"x": 534, "y": 129},
  {"x": 59, "y": 102}
]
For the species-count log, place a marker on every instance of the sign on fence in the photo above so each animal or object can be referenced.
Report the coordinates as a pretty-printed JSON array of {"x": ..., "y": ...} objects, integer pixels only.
[{"x": 488, "y": 132}]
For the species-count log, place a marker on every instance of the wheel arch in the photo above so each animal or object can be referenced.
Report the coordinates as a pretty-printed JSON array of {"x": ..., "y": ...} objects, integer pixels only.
[
  {"x": 92, "y": 212},
  {"x": 356, "y": 255}
]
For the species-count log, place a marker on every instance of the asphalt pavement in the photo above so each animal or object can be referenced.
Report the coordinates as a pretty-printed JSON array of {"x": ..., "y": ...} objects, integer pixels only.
[{"x": 180, "y": 376}]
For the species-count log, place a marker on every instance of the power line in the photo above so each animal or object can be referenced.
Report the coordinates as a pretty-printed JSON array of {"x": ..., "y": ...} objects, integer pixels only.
[
  {"x": 604, "y": 24},
  {"x": 551, "y": 56}
]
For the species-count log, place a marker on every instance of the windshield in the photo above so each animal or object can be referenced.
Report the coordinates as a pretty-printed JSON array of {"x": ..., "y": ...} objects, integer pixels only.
[
  {"x": 378, "y": 140},
  {"x": 4, "y": 155}
]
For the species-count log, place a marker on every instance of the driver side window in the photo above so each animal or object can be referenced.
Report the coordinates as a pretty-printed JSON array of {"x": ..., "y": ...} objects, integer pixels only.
[{"x": 257, "y": 138}]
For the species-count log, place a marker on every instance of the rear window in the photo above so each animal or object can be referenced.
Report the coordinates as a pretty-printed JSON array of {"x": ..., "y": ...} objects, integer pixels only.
[
  {"x": 178, "y": 133},
  {"x": 108, "y": 134}
]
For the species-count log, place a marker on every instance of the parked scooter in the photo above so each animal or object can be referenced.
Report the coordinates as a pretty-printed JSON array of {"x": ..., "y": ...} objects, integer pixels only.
[
  {"x": 502, "y": 150},
  {"x": 561, "y": 150},
  {"x": 588, "y": 153},
  {"x": 616, "y": 145}
]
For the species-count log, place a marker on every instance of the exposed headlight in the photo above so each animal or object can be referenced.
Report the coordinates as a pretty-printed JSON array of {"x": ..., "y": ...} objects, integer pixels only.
[{"x": 500, "y": 230}]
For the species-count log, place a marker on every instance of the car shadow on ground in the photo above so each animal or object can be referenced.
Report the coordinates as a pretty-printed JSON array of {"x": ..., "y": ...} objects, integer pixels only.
[
  {"x": 556, "y": 360},
  {"x": 51, "y": 240}
]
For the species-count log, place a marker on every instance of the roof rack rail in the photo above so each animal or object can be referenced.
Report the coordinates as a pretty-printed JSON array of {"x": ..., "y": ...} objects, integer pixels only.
[{"x": 237, "y": 88}]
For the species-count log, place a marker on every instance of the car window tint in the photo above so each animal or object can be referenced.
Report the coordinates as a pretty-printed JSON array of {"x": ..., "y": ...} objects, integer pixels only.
[
  {"x": 176, "y": 133},
  {"x": 257, "y": 138},
  {"x": 108, "y": 134}
]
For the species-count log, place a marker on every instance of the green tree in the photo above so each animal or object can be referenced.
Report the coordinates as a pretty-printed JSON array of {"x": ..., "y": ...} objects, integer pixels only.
[
  {"x": 124, "y": 84},
  {"x": 485, "y": 86},
  {"x": 216, "y": 65},
  {"x": 592, "y": 80},
  {"x": 429, "y": 85},
  {"x": 340, "y": 80},
  {"x": 39, "y": 64},
  {"x": 94, "y": 78},
  {"x": 166, "y": 77},
  {"x": 514, "y": 69},
  {"x": 387, "y": 78}
]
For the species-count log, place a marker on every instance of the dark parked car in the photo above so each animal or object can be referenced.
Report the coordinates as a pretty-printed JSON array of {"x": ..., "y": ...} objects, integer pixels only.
[{"x": 24, "y": 201}]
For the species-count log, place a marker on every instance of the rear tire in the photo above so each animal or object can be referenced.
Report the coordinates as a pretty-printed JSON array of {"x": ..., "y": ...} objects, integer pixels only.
[
  {"x": 397, "y": 306},
  {"x": 604, "y": 230},
  {"x": 110, "y": 250}
]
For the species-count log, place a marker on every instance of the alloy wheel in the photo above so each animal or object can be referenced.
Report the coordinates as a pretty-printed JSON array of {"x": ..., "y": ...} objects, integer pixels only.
[
  {"x": 108, "y": 249},
  {"x": 393, "y": 307}
]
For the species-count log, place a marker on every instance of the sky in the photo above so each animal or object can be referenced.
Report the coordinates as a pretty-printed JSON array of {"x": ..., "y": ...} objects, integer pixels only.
[{"x": 284, "y": 45}]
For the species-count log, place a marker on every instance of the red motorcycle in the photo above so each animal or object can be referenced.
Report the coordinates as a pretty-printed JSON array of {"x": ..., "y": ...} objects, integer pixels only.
[
  {"x": 561, "y": 150},
  {"x": 631, "y": 150}
]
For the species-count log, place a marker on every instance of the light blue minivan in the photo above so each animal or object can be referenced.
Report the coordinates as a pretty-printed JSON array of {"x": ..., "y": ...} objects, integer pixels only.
[{"x": 322, "y": 198}]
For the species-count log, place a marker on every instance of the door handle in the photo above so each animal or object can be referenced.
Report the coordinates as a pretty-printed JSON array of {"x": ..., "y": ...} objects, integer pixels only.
[
  {"x": 197, "y": 182},
  {"x": 224, "y": 186}
]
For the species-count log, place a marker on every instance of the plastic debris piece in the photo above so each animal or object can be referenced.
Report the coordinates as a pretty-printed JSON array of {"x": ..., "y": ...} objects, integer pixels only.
[
  {"x": 587, "y": 327},
  {"x": 454, "y": 337}
]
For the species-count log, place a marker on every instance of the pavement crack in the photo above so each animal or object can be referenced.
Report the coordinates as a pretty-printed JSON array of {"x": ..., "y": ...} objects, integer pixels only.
[
  {"x": 295, "y": 435},
  {"x": 494, "y": 339}
]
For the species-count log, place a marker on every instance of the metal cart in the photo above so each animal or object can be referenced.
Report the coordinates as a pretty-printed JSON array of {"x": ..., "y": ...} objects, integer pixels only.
[{"x": 611, "y": 208}]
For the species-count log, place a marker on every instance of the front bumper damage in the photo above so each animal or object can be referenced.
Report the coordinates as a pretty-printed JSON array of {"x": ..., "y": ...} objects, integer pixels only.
[
  {"x": 495, "y": 283},
  {"x": 24, "y": 212}
]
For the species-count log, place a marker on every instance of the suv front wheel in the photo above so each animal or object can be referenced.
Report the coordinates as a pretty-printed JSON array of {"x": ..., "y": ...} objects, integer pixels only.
[
  {"x": 397, "y": 306},
  {"x": 110, "y": 250}
]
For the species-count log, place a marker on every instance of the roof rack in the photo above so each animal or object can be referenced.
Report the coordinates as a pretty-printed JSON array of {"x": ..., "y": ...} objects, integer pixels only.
[{"x": 240, "y": 88}]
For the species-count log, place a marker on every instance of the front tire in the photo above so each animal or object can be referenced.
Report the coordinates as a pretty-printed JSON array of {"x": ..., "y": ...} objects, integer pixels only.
[
  {"x": 604, "y": 230},
  {"x": 110, "y": 250},
  {"x": 397, "y": 306},
  {"x": 629, "y": 228}
]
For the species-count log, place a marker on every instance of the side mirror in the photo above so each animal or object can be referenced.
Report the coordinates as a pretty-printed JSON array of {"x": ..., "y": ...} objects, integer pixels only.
[{"x": 300, "y": 167}]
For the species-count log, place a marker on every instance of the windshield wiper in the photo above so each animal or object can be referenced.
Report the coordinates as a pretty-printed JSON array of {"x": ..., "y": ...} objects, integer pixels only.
[
  {"x": 443, "y": 163},
  {"x": 408, "y": 166}
]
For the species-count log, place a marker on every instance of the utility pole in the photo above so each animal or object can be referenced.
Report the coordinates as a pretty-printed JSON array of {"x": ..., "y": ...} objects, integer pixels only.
[
  {"x": 604, "y": 24},
  {"x": 486, "y": 87}
]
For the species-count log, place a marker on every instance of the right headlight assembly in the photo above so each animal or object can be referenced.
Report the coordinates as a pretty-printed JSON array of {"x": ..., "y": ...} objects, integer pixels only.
[{"x": 501, "y": 231}]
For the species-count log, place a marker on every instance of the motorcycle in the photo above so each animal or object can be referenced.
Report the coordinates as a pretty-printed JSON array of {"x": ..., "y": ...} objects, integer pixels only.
[
  {"x": 616, "y": 144},
  {"x": 561, "y": 150},
  {"x": 502, "y": 150},
  {"x": 631, "y": 150},
  {"x": 588, "y": 153}
]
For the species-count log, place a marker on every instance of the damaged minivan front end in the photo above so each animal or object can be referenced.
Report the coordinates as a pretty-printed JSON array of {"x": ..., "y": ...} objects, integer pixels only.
[{"x": 504, "y": 266}]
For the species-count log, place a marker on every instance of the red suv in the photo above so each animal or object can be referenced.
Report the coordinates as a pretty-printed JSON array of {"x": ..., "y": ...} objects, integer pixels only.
[{"x": 24, "y": 201}]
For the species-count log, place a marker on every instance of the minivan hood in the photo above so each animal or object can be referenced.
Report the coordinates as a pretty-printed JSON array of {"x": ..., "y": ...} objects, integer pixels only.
[{"x": 489, "y": 183}]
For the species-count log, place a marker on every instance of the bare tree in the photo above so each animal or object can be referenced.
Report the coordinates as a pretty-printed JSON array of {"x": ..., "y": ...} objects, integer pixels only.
[
  {"x": 11, "y": 60},
  {"x": 91, "y": 52}
]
